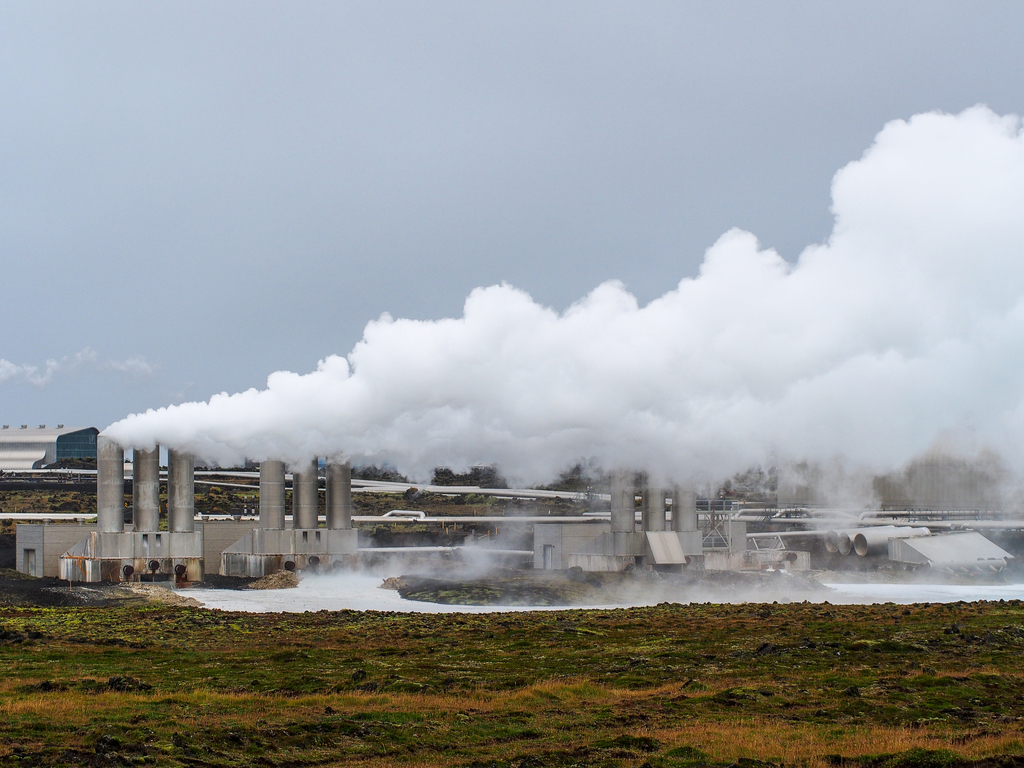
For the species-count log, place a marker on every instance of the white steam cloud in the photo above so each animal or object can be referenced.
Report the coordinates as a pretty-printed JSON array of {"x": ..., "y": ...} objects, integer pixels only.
[{"x": 905, "y": 328}]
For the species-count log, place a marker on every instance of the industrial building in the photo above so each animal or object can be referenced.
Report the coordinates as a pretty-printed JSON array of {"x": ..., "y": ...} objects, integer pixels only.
[
  {"x": 31, "y": 448},
  {"x": 647, "y": 525}
]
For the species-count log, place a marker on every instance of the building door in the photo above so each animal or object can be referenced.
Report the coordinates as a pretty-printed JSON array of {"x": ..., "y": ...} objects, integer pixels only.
[
  {"x": 29, "y": 564},
  {"x": 549, "y": 557}
]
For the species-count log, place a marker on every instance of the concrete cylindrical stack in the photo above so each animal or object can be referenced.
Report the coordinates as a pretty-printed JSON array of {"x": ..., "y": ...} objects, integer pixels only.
[
  {"x": 684, "y": 509},
  {"x": 109, "y": 486},
  {"x": 305, "y": 496},
  {"x": 623, "y": 507},
  {"x": 146, "y": 489},
  {"x": 181, "y": 498},
  {"x": 339, "y": 496},
  {"x": 653, "y": 508},
  {"x": 272, "y": 495}
]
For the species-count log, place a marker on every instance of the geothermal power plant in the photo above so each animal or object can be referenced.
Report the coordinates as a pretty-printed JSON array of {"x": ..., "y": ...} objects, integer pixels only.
[{"x": 639, "y": 524}]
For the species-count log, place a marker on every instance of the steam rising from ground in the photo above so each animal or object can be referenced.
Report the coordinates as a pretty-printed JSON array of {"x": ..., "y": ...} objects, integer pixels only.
[{"x": 904, "y": 329}]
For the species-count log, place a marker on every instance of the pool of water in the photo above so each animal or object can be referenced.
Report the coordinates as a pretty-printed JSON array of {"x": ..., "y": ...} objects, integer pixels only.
[{"x": 362, "y": 592}]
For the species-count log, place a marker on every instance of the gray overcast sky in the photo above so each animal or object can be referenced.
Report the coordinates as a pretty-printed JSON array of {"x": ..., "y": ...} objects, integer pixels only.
[{"x": 221, "y": 190}]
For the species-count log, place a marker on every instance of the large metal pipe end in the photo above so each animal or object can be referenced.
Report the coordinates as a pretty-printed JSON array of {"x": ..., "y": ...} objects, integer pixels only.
[
  {"x": 181, "y": 492},
  {"x": 845, "y": 543},
  {"x": 339, "y": 496},
  {"x": 146, "y": 489},
  {"x": 109, "y": 486},
  {"x": 875, "y": 541},
  {"x": 832, "y": 542},
  {"x": 272, "y": 507}
]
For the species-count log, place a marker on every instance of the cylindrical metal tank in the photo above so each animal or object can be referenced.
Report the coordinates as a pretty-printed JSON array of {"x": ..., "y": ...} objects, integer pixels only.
[
  {"x": 875, "y": 541},
  {"x": 684, "y": 509},
  {"x": 146, "y": 489},
  {"x": 305, "y": 496},
  {"x": 109, "y": 486},
  {"x": 339, "y": 496},
  {"x": 653, "y": 508},
  {"x": 623, "y": 495},
  {"x": 181, "y": 492},
  {"x": 272, "y": 495}
]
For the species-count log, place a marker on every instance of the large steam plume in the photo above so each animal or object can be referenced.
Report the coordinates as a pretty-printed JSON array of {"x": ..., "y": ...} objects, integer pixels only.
[{"x": 906, "y": 327}]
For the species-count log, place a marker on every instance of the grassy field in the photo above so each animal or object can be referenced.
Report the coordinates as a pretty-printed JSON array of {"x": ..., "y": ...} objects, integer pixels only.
[{"x": 815, "y": 685}]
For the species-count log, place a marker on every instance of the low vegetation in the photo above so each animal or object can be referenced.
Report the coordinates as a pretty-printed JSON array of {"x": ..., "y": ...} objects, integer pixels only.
[{"x": 667, "y": 686}]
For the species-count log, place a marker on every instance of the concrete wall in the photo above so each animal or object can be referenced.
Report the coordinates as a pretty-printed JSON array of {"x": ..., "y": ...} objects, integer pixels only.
[
  {"x": 49, "y": 542},
  {"x": 563, "y": 538},
  {"x": 218, "y": 535},
  {"x": 146, "y": 555},
  {"x": 597, "y": 563},
  {"x": 262, "y": 552}
]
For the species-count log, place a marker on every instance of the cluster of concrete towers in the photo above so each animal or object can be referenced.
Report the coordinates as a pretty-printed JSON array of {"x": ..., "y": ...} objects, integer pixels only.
[
  {"x": 272, "y": 547},
  {"x": 114, "y": 553},
  {"x": 661, "y": 540}
]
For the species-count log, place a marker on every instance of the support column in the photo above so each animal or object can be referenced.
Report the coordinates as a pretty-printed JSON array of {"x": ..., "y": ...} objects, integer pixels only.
[
  {"x": 146, "y": 489},
  {"x": 109, "y": 486},
  {"x": 653, "y": 508},
  {"x": 305, "y": 496},
  {"x": 684, "y": 509},
  {"x": 272, "y": 495},
  {"x": 181, "y": 492},
  {"x": 623, "y": 503},
  {"x": 339, "y": 496}
]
